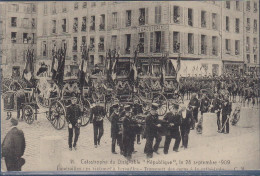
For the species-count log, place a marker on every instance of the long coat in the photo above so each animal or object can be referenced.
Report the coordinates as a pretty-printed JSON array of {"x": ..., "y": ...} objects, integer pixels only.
[
  {"x": 151, "y": 123},
  {"x": 13, "y": 145},
  {"x": 96, "y": 113},
  {"x": 114, "y": 125},
  {"x": 73, "y": 114},
  {"x": 176, "y": 120}
]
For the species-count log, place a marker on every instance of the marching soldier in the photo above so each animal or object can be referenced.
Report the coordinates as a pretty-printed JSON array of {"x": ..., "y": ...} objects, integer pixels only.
[
  {"x": 173, "y": 118},
  {"x": 97, "y": 115},
  {"x": 116, "y": 137},
  {"x": 217, "y": 109},
  {"x": 74, "y": 113},
  {"x": 185, "y": 126},
  {"x": 194, "y": 103},
  {"x": 151, "y": 131},
  {"x": 128, "y": 133},
  {"x": 226, "y": 111}
]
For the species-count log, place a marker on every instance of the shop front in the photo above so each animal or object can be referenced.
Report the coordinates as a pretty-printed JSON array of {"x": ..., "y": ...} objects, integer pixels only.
[{"x": 233, "y": 68}]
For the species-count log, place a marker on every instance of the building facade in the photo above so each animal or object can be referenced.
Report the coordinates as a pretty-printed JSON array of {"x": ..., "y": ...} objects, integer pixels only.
[{"x": 18, "y": 22}]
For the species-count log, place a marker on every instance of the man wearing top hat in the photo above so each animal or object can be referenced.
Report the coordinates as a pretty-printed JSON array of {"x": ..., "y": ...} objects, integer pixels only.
[
  {"x": 74, "y": 113},
  {"x": 151, "y": 131},
  {"x": 116, "y": 137},
  {"x": 174, "y": 120},
  {"x": 97, "y": 115},
  {"x": 128, "y": 133}
]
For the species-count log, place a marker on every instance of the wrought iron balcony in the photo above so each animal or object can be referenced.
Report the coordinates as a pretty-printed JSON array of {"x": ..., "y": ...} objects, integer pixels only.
[
  {"x": 237, "y": 29},
  {"x": 248, "y": 28},
  {"x": 14, "y": 24},
  {"x": 214, "y": 26},
  {"x": 176, "y": 47},
  {"x": 63, "y": 28},
  {"x": 141, "y": 48},
  {"x": 53, "y": 30},
  {"x": 92, "y": 47}
]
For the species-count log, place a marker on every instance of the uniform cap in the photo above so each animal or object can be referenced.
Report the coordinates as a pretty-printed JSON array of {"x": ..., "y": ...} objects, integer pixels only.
[
  {"x": 127, "y": 107},
  {"x": 155, "y": 106}
]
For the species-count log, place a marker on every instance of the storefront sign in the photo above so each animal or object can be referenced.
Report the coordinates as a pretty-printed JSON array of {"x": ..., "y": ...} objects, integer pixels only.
[{"x": 153, "y": 28}]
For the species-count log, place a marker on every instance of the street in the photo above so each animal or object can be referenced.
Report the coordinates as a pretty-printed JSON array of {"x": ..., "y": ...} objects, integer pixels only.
[{"x": 237, "y": 150}]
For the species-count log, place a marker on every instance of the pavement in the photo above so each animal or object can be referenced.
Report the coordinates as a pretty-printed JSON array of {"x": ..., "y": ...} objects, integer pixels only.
[{"x": 237, "y": 150}]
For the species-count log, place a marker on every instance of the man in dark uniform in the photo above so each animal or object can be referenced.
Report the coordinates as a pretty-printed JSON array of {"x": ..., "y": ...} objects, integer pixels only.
[
  {"x": 185, "y": 126},
  {"x": 204, "y": 105},
  {"x": 174, "y": 121},
  {"x": 74, "y": 113},
  {"x": 115, "y": 129},
  {"x": 226, "y": 111},
  {"x": 217, "y": 108},
  {"x": 97, "y": 115},
  {"x": 194, "y": 103},
  {"x": 128, "y": 133},
  {"x": 151, "y": 131},
  {"x": 137, "y": 109}
]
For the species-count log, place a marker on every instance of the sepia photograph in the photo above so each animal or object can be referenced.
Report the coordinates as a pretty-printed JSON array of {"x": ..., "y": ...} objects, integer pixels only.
[{"x": 130, "y": 87}]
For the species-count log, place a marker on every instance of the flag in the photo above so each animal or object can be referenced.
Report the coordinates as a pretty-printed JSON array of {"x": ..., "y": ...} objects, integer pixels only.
[
  {"x": 162, "y": 80},
  {"x": 83, "y": 70},
  {"x": 28, "y": 70},
  {"x": 113, "y": 73},
  {"x": 178, "y": 64},
  {"x": 59, "y": 74}
]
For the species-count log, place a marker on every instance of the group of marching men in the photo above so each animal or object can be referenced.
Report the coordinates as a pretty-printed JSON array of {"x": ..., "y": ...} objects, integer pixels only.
[{"x": 129, "y": 122}]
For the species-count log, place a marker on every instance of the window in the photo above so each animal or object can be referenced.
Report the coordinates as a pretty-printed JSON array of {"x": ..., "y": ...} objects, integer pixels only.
[
  {"x": 237, "y": 25},
  {"x": 214, "y": 21},
  {"x": 92, "y": 44},
  {"x": 114, "y": 20},
  {"x": 75, "y": 44},
  {"x": 101, "y": 59},
  {"x": 128, "y": 18},
  {"x": 101, "y": 45},
  {"x": 33, "y": 37},
  {"x": 247, "y": 44},
  {"x": 53, "y": 7},
  {"x": 190, "y": 43},
  {"x": 45, "y": 8},
  {"x": 237, "y": 47},
  {"x": 141, "y": 43},
  {"x": 14, "y": 22},
  {"x": 255, "y": 26},
  {"x": 248, "y": 24},
  {"x": 84, "y": 5},
  {"x": 237, "y": 5},
  {"x": 84, "y": 24},
  {"x": 83, "y": 41},
  {"x": 44, "y": 48},
  {"x": 228, "y": 4},
  {"x": 176, "y": 14},
  {"x": 75, "y": 25},
  {"x": 215, "y": 45},
  {"x": 64, "y": 25},
  {"x": 76, "y": 5},
  {"x": 13, "y": 37},
  {"x": 203, "y": 44},
  {"x": 128, "y": 43},
  {"x": 248, "y": 6},
  {"x": 227, "y": 23},
  {"x": 25, "y": 38},
  {"x": 102, "y": 22},
  {"x": 228, "y": 46},
  {"x": 255, "y": 45},
  {"x": 190, "y": 17},
  {"x": 33, "y": 8},
  {"x": 158, "y": 12},
  {"x": 75, "y": 58},
  {"x": 91, "y": 60},
  {"x": 255, "y": 59},
  {"x": 53, "y": 26},
  {"x": 142, "y": 16},
  {"x": 64, "y": 7},
  {"x": 92, "y": 23},
  {"x": 158, "y": 41},
  {"x": 248, "y": 58},
  {"x": 176, "y": 42},
  {"x": 25, "y": 23},
  {"x": 113, "y": 42},
  {"x": 93, "y": 4},
  {"x": 255, "y": 7},
  {"x": 44, "y": 28},
  {"x": 33, "y": 23},
  {"x": 203, "y": 19}
]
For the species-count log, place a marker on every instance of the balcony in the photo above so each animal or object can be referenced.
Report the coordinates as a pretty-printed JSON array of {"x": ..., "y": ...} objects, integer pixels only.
[
  {"x": 92, "y": 28},
  {"x": 176, "y": 19},
  {"x": 127, "y": 50},
  {"x": 74, "y": 48},
  {"x": 14, "y": 24},
  {"x": 203, "y": 23},
  {"x": 128, "y": 23},
  {"x": 214, "y": 52},
  {"x": 255, "y": 9},
  {"x": 203, "y": 49},
  {"x": 176, "y": 47},
  {"x": 102, "y": 27},
  {"x": 190, "y": 22},
  {"x": 64, "y": 10},
  {"x": 101, "y": 47},
  {"x": 248, "y": 8},
  {"x": 190, "y": 49},
  {"x": 141, "y": 20},
  {"x": 237, "y": 52},
  {"x": 75, "y": 28},
  {"x": 13, "y": 39}
]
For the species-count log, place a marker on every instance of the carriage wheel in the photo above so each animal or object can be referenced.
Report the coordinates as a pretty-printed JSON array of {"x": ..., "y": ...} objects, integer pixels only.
[
  {"x": 86, "y": 115},
  {"x": 179, "y": 100},
  {"x": 28, "y": 114},
  {"x": 162, "y": 101},
  {"x": 57, "y": 115}
]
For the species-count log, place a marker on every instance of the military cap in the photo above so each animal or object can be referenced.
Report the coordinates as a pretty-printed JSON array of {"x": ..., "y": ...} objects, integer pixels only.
[{"x": 155, "y": 106}]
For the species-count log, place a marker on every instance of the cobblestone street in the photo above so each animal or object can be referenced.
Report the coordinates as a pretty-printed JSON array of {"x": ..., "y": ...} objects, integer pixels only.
[{"x": 243, "y": 145}]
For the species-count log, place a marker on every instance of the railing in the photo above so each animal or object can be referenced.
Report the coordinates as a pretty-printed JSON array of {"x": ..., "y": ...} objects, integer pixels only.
[
  {"x": 228, "y": 52},
  {"x": 101, "y": 47},
  {"x": 92, "y": 48},
  {"x": 128, "y": 23},
  {"x": 190, "y": 49},
  {"x": 75, "y": 28},
  {"x": 237, "y": 29},
  {"x": 254, "y": 49},
  {"x": 190, "y": 23},
  {"x": 53, "y": 30},
  {"x": 141, "y": 48},
  {"x": 176, "y": 19},
  {"x": 114, "y": 26},
  {"x": 14, "y": 24},
  {"x": 214, "y": 26},
  {"x": 203, "y": 49},
  {"x": 127, "y": 50},
  {"x": 102, "y": 27},
  {"x": 248, "y": 28}
]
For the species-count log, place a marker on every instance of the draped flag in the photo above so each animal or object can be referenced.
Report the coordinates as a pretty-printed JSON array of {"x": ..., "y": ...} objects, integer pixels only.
[
  {"x": 83, "y": 70},
  {"x": 178, "y": 69},
  {"x": 133, "y": 71},
  {"x": 113, "y": 73},
  {"x": 28, "y": 70},
  {"x": 58, "y": 66}
]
